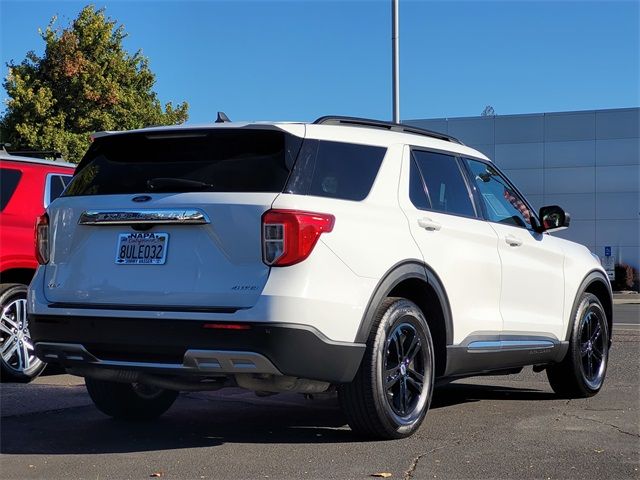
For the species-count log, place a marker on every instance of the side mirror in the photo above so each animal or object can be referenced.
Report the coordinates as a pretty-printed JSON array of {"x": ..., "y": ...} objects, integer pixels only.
[{"x": 553, "y": 218}]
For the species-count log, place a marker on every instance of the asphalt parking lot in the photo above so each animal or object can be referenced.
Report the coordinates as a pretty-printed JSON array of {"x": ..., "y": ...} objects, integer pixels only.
[{"x": 489, "y": 427}]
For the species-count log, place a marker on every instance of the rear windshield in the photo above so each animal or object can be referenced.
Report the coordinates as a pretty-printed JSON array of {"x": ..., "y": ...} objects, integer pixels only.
[{"x": 238, "y": 160}]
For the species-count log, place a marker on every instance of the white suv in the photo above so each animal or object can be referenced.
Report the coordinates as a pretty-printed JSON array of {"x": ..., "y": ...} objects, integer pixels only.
[{"x": 370, "y": 257}]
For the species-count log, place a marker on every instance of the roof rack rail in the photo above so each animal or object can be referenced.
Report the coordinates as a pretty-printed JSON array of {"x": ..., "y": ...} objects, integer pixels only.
[{"x": 395, "y": 127}]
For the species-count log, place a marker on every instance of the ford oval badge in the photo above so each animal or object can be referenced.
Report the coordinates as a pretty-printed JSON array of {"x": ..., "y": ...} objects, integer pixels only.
[{"x": 141, "y": 198}]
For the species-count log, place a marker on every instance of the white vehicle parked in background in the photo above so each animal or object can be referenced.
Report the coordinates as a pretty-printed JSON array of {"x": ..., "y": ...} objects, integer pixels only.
[{"x": 285, "y": 257}]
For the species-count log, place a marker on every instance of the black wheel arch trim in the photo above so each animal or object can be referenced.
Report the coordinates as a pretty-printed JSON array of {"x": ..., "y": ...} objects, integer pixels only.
[
  {"x": 594, "y": 276},
  {"x": 394, "y": 276}
]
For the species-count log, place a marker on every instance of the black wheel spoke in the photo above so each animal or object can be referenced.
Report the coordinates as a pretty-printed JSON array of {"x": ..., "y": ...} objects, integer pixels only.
[
  {"x": 403, "y": 395},
  {"x": 391, "y": 376},
  {"x": 416, "y": 380},
  {"x": 402, "y": 338},
  {"x": 397, "y": 343},
  {"x": 596, "y": 334},
  {"x": 597, "y": 353},
  {"x": 414, "y": 348}
]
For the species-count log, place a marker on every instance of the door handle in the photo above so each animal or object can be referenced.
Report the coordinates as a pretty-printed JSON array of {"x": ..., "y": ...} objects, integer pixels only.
[
  {"x": 513, "y": 240},
  {"x": 429, "y": 224}
]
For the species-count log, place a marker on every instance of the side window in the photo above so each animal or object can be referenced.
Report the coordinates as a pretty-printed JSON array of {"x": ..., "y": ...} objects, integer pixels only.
[
  {"x": 417, "y": 193},
  {"x": 501, "y": 203},
  {"x": 9, "y": 179},
  {"x": 446, "y": 188},
  {"x": 335, "y": 169},
  {"x": 55, "y": 186}
]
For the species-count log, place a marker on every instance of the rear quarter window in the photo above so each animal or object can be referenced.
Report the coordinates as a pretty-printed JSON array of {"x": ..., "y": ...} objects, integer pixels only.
[
  {"x": 56, "y": 183},
  {"x": 9, "y": 179},
  {"x": 335, "y": 169}
]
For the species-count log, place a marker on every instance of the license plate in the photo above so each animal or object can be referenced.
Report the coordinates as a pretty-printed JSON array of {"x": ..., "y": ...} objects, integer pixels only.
[{"x": 142, "y": 248}]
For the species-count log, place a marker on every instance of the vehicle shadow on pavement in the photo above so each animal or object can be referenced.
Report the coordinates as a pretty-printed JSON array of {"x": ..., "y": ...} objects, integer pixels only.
[
  {"x": 201, "y": 420},
  {"x": 190, "y": 423},
  {"x": 457, "y": 393}
]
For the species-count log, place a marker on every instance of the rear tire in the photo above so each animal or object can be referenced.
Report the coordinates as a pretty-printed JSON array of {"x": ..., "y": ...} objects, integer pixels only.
[
  {"x": 18, "y": 362},
  {"x": 581, "y": 373},
  {"x": 129, "y": 401},
  {"x": 391, "y": 392}
]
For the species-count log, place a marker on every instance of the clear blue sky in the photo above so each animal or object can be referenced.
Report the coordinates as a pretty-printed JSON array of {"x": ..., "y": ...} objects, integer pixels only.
[{"x": 298, "y": 60}]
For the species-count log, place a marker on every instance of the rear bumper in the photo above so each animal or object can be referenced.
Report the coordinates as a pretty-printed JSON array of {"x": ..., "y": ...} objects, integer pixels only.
[{"x": 186, "y": 347}]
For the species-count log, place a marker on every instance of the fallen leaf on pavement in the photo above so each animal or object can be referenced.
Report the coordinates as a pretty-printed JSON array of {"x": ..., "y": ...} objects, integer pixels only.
[{"x": 381, "y": 475}]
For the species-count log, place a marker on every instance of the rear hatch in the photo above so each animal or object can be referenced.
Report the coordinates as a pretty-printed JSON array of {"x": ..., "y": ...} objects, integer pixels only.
[{"x": 169, "y": 219}]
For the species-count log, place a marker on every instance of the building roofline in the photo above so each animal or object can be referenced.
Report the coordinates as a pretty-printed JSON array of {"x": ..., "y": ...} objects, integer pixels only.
[{"x": 534, "y": 114}]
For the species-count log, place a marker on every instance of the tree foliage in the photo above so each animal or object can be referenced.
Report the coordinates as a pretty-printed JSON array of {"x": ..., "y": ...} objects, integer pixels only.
[{"x": 85, "y": 82}]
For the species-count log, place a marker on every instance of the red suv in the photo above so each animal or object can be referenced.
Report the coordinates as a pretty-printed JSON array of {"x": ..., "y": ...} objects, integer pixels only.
[{"x": 27, "y": 187}]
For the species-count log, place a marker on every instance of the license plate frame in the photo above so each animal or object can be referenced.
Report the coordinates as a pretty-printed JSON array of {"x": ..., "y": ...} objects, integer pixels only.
[{"x": 142, "y": 248}]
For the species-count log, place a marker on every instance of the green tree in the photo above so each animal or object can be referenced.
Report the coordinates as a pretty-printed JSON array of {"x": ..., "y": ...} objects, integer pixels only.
[{"x": 85, "y": 82}]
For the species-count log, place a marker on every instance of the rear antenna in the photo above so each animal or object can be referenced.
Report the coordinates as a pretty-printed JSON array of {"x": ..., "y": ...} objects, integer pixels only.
[{"x": 222, "y": 118}]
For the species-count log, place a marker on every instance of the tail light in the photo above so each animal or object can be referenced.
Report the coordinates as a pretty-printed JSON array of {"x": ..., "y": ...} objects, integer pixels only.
[
  {"x": 288, "y": 236},
  {"x": 42, "y": 239}
]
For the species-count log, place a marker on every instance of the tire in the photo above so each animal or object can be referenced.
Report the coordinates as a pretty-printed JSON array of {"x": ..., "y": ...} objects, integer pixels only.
[
  {"x": 581, "y": 373},
  {"x": 129, "y": 401},
  {"x": 386, "y": 399},
  {"x": 18, "y": 362}
]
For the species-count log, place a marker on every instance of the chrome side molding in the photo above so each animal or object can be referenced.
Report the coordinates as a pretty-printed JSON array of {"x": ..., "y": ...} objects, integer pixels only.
[
  {"x": 501, "y": 345},
  {"x": 181, "y": 216}
]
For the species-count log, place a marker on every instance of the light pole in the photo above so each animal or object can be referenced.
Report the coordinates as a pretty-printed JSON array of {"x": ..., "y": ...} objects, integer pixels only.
[{"x": 395, "y": 55}]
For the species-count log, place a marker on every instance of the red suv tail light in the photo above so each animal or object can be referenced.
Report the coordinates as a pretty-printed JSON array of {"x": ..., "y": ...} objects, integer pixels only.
[
  {"x": 42, "y": 239},
  {"x": 288, "y": 236}
]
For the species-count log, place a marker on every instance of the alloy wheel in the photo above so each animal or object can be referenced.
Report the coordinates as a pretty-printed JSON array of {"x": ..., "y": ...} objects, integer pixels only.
[
  {"x": 405, "y": 368},
  {"x": 16, "y": 347},
  {"x": 593, "y": 350}
]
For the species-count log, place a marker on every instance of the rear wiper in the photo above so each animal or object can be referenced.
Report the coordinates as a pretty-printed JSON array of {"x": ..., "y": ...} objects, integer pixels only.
[{"x": 182, "y": 183}]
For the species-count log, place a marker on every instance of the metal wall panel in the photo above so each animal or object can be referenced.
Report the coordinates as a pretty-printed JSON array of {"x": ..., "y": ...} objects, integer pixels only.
[
  {"x": 618, "y": 232},
  {"x": 560, "y": 127},
  {"x": 627, "y": 254},
  {"x": 519, "y": 155},
  {"x": 617, "y": 206},
  {"x": 477, "y": 130},
  {"x": 577, "y": 153},
  {"x": 623, "y": 123},
  {"x": 618, "y": 178},
  {"x": 519, "y": 128},
  {"x": 619, "y": 151},
  {"x": 569, "y": 180}
]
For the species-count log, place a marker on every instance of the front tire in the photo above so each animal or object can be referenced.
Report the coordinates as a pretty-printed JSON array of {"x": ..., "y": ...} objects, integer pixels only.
[
  {"x": 391, "y": 393},
  {"x": 581, "y": 373},
  {"x": 18, "y": 362},
  {"x": 129, "y": 401}
]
